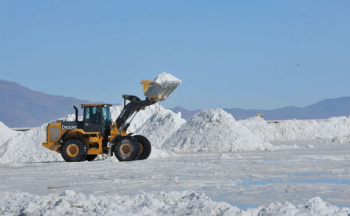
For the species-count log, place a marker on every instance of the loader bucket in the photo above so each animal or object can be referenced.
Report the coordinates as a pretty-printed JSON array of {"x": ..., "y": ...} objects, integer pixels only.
[
  {"x": 150, "y": 88},
  {"x": 160, "y": 88}
]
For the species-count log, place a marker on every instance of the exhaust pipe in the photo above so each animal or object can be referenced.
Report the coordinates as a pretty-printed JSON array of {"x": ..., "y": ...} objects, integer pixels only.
[{"x": 76, "y": 113}]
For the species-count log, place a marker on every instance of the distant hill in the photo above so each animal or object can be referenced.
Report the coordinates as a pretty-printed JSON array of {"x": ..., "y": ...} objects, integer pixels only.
[
  {"x": 185, "y": 114},
  {"x": 22, "y": 107},
  {"x": 321, "y": 110}
]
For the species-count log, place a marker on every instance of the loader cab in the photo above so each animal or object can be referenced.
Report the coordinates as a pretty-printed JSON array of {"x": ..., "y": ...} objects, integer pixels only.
[{"x": 97, "y": 118}]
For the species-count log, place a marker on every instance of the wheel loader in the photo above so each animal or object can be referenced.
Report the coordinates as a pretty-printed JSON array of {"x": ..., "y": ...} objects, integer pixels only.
[{"x": 96, "y": 134}]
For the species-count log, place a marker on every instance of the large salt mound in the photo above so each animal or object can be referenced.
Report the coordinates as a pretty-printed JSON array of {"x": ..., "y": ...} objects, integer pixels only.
[
  {"x": 6, "y": 133},
  {"x": 172, "y": 203},
  {"x": 336, "y": 129},
  {"x": 27, "y": 147},
  {"x": 140, "y": 118},
  {"x": 262, "y": 129},
  {"x": 214, "y": 130},
  {"x": 160, "y": 126}
]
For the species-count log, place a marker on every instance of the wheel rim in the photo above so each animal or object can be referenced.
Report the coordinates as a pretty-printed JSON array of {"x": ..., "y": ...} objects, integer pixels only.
[
  {"x": 141, "y": 148},
  {"x": 125, "y": 149},
  {"x": 72, "y": 150}
]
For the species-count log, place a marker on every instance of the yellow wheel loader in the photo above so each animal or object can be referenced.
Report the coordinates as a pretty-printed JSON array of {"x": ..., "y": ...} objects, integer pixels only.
[{"x": 97, "y": 134}]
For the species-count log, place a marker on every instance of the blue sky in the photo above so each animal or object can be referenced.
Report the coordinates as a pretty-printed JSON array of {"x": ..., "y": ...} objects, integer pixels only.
[{"x": 246, "y": 54}]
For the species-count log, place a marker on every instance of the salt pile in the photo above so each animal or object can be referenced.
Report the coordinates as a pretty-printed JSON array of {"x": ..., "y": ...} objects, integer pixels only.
[
  {"x": 214, "y": 130},
  {"x": 160, "y": 126},
  {"x": 173, "y": 203},
  {"x": 140, "y": 118},
  {"x": 27, "y": 147},
  {"x": 6, "y": 133},
  {"x": 315, "y": 206},
  {"x": 335, "y": 129},
  {"x": 261, "y": 128}
]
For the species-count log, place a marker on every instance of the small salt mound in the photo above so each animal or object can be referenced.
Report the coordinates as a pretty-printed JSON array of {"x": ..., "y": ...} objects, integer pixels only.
[
  {"x": 72, "y": 203},
  {"x": 160, "y": 153},
  {"x": 160, "y": 126},
  {"x": 335, "y": 129},
  {"x": 315, "y": 206},
  {"x": 27, "y": 147},
  {"x": 214, "y": 130},
  {"x": 6, "y": 133},
  {"x": 261, "y": 128},
  {"x": 186, "y": 202}
]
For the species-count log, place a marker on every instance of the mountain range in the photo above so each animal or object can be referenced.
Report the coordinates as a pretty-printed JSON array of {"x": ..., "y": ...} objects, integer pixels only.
[
  {"x": 322, "y": 110},
  {"x": 22, "y": 107}
]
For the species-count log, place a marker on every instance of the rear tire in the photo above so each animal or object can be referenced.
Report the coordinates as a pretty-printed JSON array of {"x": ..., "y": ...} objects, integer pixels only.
[
  {"x": 74, "y": 150},
  {"x": 90, "y": 157},
  {"x": 145, "y": 147},
  {"x": 127, "y": 149}
]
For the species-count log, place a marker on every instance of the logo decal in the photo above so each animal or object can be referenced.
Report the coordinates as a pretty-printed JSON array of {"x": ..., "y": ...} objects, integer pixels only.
[{"x": 65, "y": 127}]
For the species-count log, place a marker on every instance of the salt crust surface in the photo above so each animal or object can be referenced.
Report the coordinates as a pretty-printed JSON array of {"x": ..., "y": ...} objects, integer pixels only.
[{"x": 187, "y": 202}]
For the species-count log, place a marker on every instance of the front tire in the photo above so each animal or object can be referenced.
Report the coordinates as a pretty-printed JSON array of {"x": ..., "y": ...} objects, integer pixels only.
[
  {"x": 145, "y": 147},
  {"x": 127, "y": 149},
  {"x": 74, "y": 150}
]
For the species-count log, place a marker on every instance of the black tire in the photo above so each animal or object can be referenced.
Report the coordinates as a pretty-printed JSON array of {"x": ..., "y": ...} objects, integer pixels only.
[
  {"x": 74, "y": 150},
  {"x": 145, "y": 147},
  {"x": 127, "y": 149},
  {"x": 90, "y": 157}
]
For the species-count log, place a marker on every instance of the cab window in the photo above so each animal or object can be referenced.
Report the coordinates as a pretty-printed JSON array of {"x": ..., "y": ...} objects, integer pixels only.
[
  {"x": 106, "y": 115},
  {"x": 95, "y": 115},
  {"x": 87, "y": 114}
]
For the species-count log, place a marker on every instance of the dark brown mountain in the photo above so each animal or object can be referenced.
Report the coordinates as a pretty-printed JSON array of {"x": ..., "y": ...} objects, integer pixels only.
[{"x": 22, "y": 107}]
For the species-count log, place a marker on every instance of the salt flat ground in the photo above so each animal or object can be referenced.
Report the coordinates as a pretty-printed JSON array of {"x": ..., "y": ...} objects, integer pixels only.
[{"x": 293, "y": 172}]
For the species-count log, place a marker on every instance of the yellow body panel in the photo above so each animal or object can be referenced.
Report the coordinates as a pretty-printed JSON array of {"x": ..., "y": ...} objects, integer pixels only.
[
  {"x": 53, "y": 146},
  {"x": 93, "y": 140},
  {"x": 115, "y": 132}
]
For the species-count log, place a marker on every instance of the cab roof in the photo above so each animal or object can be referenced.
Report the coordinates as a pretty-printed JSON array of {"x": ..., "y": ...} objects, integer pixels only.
[{"x": 94, "y": 105}]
